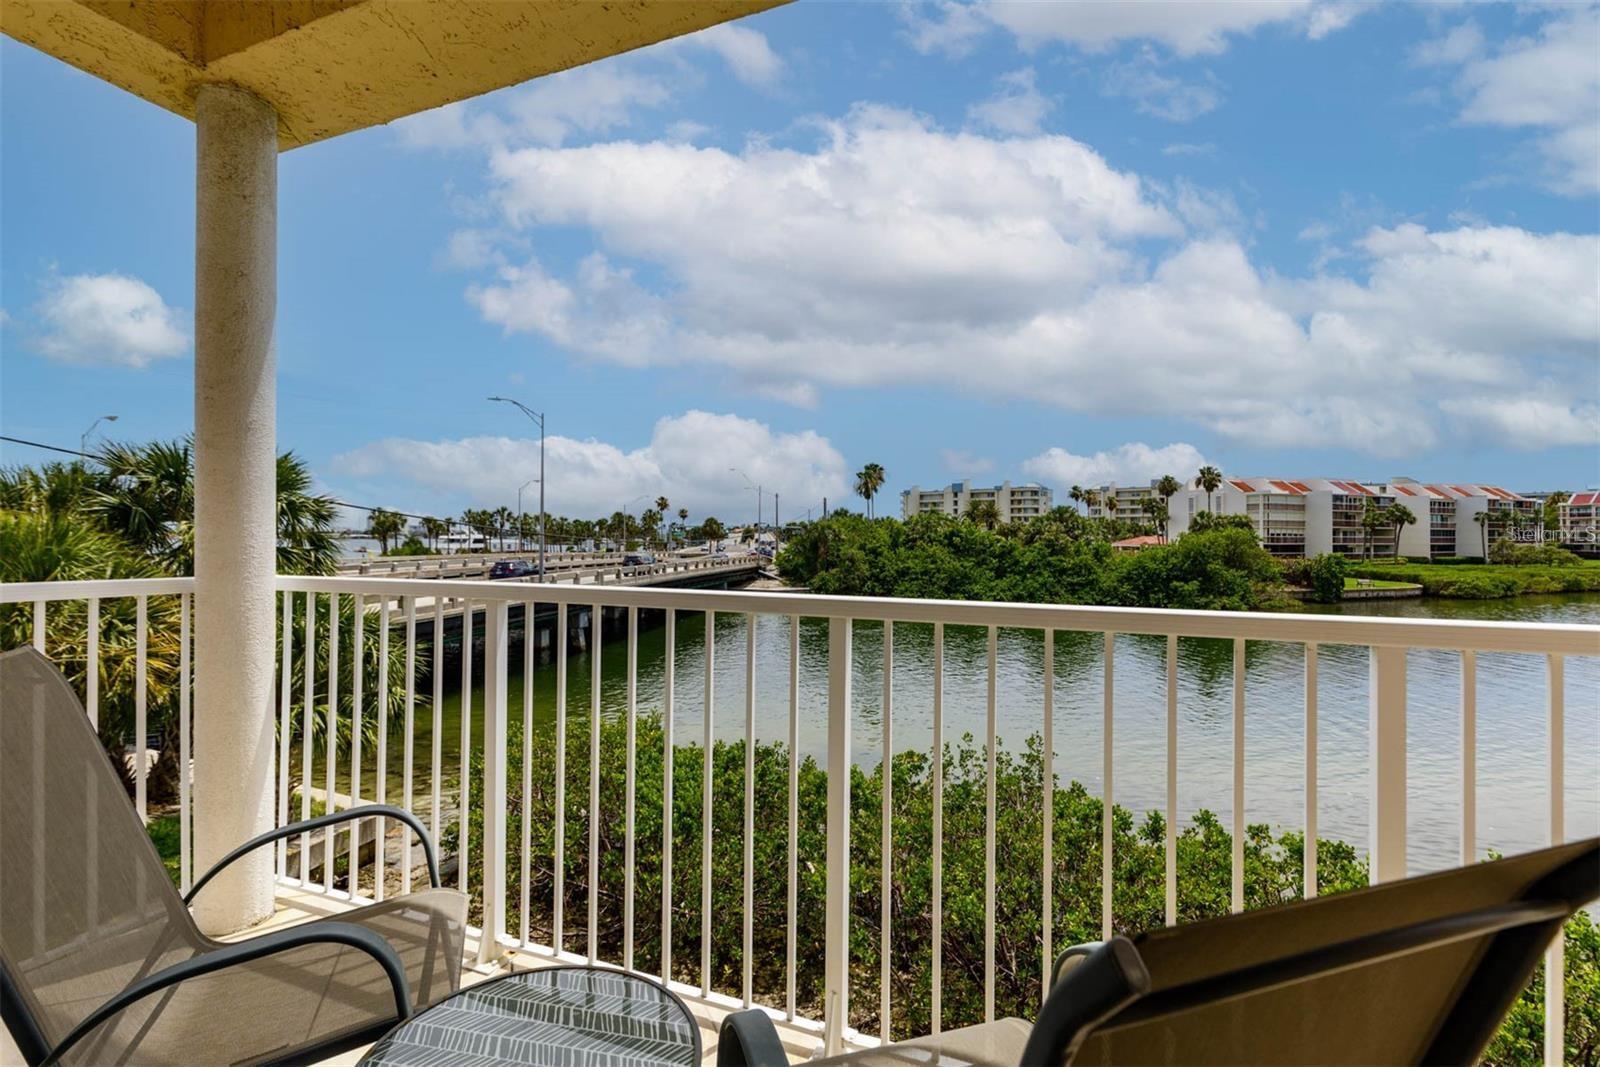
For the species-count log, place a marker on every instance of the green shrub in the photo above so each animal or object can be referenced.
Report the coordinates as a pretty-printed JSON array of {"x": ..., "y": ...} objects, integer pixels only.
[
  {"x": 1273, "y": 874},
  {"x": 1518, "y": 553}
]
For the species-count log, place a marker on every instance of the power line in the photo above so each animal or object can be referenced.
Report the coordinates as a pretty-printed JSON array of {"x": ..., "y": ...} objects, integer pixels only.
[{"x": 340, "y": 503}]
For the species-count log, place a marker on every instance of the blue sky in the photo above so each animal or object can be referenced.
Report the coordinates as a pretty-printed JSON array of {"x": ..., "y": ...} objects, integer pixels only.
[{"x": 1054, "y": 242}]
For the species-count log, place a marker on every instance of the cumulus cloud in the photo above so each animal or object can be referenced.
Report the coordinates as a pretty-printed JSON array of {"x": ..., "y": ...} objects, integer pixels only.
[
  {"x": 595, "y": 99},
  {"x": 1548, "y": 81},
  {"x": 746, "y": 52},
  {"x": 893, "y": 252},
  {"x": 1134, "y": 463},
  {"x": 686, "y": 459},
  {"x": 1018, "y": 107},
  {"x": 1197, "y": 27},
  {"x": 108, "y": 320}
]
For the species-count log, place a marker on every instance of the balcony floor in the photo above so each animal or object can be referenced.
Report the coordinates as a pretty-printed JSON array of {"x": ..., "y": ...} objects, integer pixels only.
[{"x": 296, "y": 906}]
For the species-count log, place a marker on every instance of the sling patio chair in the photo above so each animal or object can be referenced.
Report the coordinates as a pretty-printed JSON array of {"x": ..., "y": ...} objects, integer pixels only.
[
  {"x": 1418, "y": 971},
  {"x": 100, "y": 960}
]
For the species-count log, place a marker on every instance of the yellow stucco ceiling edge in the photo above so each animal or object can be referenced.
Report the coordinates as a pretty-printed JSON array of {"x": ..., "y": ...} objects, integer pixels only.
[{"x": 371, "y": 62}]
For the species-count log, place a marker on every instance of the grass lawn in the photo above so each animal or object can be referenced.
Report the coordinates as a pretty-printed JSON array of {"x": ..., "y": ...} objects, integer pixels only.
[
  {"x": 1484, "y": 581},
  {"x": 1376, "y": 583}
]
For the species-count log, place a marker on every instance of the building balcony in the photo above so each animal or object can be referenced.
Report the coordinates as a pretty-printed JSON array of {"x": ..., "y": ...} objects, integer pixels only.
[{"x": 671, "y": 841}]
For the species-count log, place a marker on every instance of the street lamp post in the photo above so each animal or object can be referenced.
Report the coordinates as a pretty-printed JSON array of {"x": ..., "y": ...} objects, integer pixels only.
[
  {"x": 522, "y": 542},
  {"x": 83, "y": 439},
  {"x": 752, "y": 485},
  {"x": 538, "y": 417}
]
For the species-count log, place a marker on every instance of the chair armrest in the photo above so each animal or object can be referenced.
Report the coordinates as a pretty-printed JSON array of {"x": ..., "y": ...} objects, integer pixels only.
[
  {"x": 364, "y": 811},
  {"x": 748, "y": 1039},
  {"x": 1071, "y": 958},
  {"x": 237, "y": 952}
]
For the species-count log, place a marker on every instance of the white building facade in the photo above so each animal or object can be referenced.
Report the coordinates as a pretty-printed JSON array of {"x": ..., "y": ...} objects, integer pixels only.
[
  {"x": 1015, "y": 503},
  {"x": 1312, "y": 516}
]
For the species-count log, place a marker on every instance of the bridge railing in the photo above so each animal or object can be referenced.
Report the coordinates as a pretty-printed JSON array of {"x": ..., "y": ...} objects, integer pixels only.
[{"x": 396, "y": 717}]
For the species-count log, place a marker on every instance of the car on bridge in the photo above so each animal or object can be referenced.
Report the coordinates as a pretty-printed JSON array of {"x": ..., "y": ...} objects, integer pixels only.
[
  {"x": 641, "y": 558},
  {"x": 513, "y": 568}
]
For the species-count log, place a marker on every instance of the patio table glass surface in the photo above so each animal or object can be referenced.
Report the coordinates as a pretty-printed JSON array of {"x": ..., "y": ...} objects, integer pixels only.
[{"x": 571, "y": 1016}]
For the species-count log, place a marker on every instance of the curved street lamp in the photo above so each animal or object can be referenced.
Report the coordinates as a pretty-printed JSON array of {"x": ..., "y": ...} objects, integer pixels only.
[
  {"x": 538, "y": 417},
  {"x": 83, "y": 439}
]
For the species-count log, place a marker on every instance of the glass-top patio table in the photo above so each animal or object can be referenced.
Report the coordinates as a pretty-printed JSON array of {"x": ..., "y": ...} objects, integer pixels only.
[{"x": 571, "y": 1016}]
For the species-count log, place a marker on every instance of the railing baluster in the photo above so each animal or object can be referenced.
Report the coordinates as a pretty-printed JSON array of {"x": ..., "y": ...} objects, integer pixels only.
[
  {"x": 38, "y": 625},
  {"x": 141, "y": 726},
  {"x": 380, "y": 782},
  {"x": 794, "y": 809},
  {"x": 406, "y": 773},
  {"x": 1236, "y": 900},
  {"x": 1469, "y": 758},
  {"x": 358, "y": 606},
  {"x": 464, "y": 851},
  {"x": 886, "y": 847},
  {"x": 285, "y": 693},
  {"x": 308, "y": 675},
  {"x": 631, "y": 787},
  {"x": 496, "y": 639},
  {"x": 185, "y": 805},
  {"x": 1311, "y": 772},
  {"x": 331, "y": 745},
  {"x": 989, "y": 834},
  {"x": 1386, "y": 729},
  {"x": 669, "y": 672},
  {"x": 1047, "y": 833},
  {"x": 437, "y": 735},
  {"x": 559, "y": 893},
  {"x": 836, "y": 927},
  {"x": 749, "y": 804},
  {"x": 92, "y": 662},
  {"x": 705, "y": 807},
  {"x": 936, "y": 907},
  {"x": 1555, "y": 1026},
  {"x": 1172, "y": 780},
  {"x": 596, "y": 632},
  {"x": 1106, "y": 802}
]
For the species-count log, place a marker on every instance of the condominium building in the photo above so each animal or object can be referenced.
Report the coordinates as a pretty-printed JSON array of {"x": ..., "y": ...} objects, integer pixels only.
[
  {"x": 1310, "y": 516},
  {"x": 1015, "y": 503},
  {"x": 1580, "y": 523}
]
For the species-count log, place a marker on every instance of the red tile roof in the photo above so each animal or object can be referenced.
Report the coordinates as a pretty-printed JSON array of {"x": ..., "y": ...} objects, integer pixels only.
[{"x": 1585, "y": 499}]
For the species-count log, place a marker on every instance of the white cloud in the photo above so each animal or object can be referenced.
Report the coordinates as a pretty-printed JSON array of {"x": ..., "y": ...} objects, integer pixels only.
[
  {"x": 1134, "y": 463},
  {"x": 1196, "y": 27},
  {"x": 959, "y": 461},
  {"x": 1017, "y": 108},
  {"x": 687, "y": 460},
  {"x": 1205, "y": 148},
  {"x": 1549, "y": 81},
  {"x": 595, "y": 99},
  {"x": 746, "y": 51},
  {"x": 108, "y": 320},
  {"x": 894, "y": 253},
  {"x": 1160, "y": 95},
  {"x": 1456, "y": 45}
]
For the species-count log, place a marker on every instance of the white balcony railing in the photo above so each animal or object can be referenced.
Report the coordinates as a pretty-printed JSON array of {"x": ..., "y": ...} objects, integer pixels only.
[{"x": 391, "y": 611}]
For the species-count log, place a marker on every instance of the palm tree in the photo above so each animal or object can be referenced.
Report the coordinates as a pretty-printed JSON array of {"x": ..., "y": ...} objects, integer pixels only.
[
  {"x": 662, "y": 504},
  {"x": 1075, "y": 494},
  {"x": 985, "y": 513},
  {"x": 868, "y": 481},
  {"x": 1159, "y": 513},
  {"x": 385, "y": 525},
  {"x": 1091, "y": 500},
  {"x": 712, "y": 529},
  {"x": 1482, "y": 519},
  {"x": 1209, "y": 479},
  {"x": 434, "y": 529},
  {"x": 1399, "y": 516},
  {"x": 1168, "y": 487}
]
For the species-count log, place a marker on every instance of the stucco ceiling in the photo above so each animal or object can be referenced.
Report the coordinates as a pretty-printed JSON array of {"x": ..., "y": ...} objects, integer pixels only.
[{"x": 332, "y": 66}]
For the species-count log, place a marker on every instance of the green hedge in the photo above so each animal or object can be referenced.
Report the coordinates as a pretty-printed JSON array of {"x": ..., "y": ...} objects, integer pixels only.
[{"x": 1273, "y": 874}]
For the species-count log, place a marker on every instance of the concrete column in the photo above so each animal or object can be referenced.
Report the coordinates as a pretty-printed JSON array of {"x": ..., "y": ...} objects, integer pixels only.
[{"x": 235, "y": 411}]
